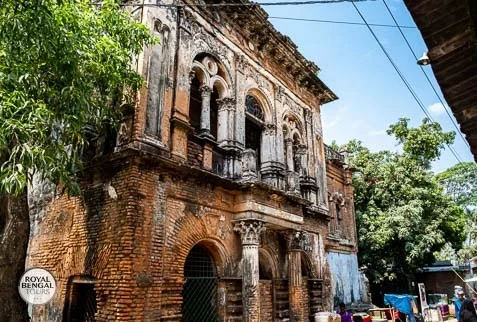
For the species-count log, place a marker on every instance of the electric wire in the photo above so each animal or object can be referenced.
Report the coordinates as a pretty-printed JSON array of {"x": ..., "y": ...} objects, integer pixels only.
[
  {"x": 425, "y": 74},
  {"x": 247, "y": 4},
  {"x": 416, "y": 98},
  {"x": 340, "y": 22}
]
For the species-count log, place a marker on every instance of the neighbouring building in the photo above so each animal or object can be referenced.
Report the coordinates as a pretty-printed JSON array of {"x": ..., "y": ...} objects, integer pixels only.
[
  {"x": 442, "y": 277},
  {"x": 216, "y": 199}
]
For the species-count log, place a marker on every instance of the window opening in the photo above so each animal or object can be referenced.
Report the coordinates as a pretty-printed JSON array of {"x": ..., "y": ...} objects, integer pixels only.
[
  {"x": 253, "y": 107},
  {"x": 214, "y": 112},
  {"x": 195, "y": 104}
]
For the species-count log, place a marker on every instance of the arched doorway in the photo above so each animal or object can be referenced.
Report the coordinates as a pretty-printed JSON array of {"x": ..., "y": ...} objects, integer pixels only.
[{"x": 200, "y": 288}]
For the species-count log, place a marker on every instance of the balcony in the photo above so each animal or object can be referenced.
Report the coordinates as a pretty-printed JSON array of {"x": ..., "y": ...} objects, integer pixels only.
[{"x": 332, "y": 155}]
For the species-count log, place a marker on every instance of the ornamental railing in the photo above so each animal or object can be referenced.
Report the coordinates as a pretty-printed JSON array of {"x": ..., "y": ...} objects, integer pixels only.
[{"x": 331, "y": 154}]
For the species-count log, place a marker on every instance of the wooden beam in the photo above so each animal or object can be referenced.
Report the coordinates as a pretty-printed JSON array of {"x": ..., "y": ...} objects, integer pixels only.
[{"x": 456, "y": 42}]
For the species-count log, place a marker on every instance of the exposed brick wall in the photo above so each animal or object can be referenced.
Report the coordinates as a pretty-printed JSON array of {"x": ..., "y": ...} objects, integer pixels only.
[
  {"x": 266, "y": 301},
  {"x": 305, "y": 300},
  {"x": 339, "y": 180}
]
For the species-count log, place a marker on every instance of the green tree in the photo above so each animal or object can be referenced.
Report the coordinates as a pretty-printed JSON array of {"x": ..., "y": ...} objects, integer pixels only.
[
  {"x": 460, "y": 183},
  {"x": 64, "y": 65},
  {"x": 403, "y": 214}
]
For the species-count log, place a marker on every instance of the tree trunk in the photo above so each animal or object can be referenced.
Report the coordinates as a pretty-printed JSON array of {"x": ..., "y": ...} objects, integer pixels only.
[{"x": 14, "y": 236}]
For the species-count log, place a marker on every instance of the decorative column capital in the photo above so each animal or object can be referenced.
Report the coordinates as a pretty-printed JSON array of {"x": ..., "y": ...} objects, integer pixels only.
[
  {"x": 250, "y": 231},
  {"x": 288, "y": 141},
  {"x": 270, "y": 128},
  {"x": 301, "y": 149},
  {"x": 226, "y": 103},
  {"x": 205, "y": 91},
  {"x": 298, "y": 240}
]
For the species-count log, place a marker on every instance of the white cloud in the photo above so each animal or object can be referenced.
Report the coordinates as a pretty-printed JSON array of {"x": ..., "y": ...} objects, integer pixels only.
[
  {"x": 436, "y": 109},
  {"x": 336, "y": 119}
]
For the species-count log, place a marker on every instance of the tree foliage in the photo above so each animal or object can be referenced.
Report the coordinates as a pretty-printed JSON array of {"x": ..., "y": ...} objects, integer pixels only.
[
  {"x": 403, "y": 214},
  {"x": 64, "y": 65},
  {"x": 460, "y": 183}
]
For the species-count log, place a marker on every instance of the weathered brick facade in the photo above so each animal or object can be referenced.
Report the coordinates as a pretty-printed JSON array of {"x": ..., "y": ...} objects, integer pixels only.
[{"x": 218, "y": 202}]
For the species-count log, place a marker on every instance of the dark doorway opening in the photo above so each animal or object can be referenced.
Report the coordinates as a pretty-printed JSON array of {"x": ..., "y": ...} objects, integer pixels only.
[
  {"x": 80, "y": 304},
  {"x": 200, "y": 288}
]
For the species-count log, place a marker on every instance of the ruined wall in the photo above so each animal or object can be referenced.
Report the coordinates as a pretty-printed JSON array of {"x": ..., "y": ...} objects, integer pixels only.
[
  {"x": 345, "y": 277},
  {"x": 142, "y": 212},
  {"x": 100, "y": 234}
]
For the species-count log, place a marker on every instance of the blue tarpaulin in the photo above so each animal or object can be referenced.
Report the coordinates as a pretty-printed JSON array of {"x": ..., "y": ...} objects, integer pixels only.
[{"x": 402, "y": 303}]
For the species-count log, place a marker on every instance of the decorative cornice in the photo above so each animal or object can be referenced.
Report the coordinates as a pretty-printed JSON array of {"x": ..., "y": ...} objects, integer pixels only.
[{"x": 263, "y": 36}]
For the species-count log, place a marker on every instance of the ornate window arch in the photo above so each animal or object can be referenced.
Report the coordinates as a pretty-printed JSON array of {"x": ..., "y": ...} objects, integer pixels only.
[
  {"x": 209, "y": 83},
  {"x": 209, "y": 92},
  {"x": 294, "y": 147}
]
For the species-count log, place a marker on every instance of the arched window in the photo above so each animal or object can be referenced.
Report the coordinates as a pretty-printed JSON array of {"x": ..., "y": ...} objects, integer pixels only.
[
  {"x": 293, "y": 144},
  {"x": 253, "y": 127},
  {"x": 253, "y": 107},
  {"x": 208, "y": 86}
]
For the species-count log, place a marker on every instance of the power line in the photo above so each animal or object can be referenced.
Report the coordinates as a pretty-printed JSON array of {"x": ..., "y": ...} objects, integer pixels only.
[
  {"x": 414, "y": 95},
  {"x": 341, "y": 22},
  {"x": 247, "y": 4},
  {"x": 425, "y": 74}
]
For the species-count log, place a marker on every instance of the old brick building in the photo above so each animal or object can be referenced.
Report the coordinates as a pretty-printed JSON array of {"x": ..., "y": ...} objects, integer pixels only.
[{"x": 217, "y": 199}]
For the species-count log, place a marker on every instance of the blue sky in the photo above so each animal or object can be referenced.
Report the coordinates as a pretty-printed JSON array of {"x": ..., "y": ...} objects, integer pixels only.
[{"x": 371, "y": 94}]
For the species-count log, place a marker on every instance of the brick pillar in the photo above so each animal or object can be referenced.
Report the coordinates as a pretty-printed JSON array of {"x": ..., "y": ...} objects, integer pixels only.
[
  {"x": 250, "y": 232},
  {"x": 294, "y": 276}
]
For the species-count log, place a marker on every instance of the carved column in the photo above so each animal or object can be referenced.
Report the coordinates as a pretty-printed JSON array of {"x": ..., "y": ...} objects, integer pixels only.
[
  {"x": 289, "y": 154},
  {"x": 250, "y": 232},
  {"x": 225, "y": 120},
  {"x": 205, "y": 92},
  {"x": 301, "y": 153},
  {"x": 294, "y": 276}
]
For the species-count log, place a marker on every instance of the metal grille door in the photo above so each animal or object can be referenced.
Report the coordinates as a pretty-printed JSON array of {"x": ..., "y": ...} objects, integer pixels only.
[{"x": 200, "y": 288}]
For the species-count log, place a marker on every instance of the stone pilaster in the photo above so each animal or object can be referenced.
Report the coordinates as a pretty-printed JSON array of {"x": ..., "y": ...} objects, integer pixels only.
[
  {"x": 250, "y": 234},
  {"x": 294, "y": 276}
]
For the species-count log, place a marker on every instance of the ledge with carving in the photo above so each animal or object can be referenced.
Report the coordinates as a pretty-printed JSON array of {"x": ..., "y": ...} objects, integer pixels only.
[
  {"x": 318, "y": 211},
  {"x": 265, "y": 39},
  {"x": 337, "y": 241}
]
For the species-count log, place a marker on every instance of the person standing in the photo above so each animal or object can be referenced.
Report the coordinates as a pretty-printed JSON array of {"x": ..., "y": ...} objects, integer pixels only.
[
  {"x": 467, "y": 312},
  {"x": 458, "y": 301},
  {"x": 345, "y": 315}
]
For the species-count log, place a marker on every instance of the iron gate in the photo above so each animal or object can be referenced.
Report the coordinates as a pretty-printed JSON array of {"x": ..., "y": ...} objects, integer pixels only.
[{"x": 200, "y": 288}]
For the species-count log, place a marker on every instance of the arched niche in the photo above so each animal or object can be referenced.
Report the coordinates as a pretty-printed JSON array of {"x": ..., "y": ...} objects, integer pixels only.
[{"x": 268, "y": 269}]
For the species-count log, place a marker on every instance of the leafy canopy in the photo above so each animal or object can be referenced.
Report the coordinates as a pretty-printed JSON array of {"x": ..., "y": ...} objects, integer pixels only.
[
  {"x": 403, "y": 215},
  {"x": 460, "y": 183},
  {"x": 64, "y": 65}
]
